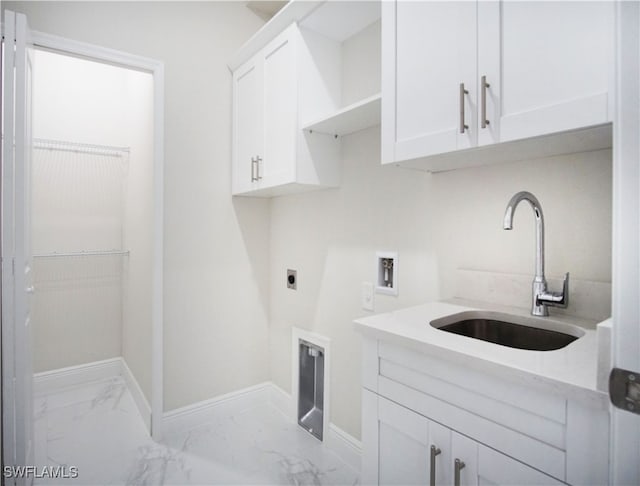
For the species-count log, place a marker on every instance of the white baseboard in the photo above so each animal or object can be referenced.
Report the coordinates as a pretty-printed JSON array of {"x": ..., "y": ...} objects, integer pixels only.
[
  {"x": 136, "y": 392},
  {"x": 281, "y": 401},
  {"x": 54, "y": 381},
  {"x": 347, "y": 447},
  {"x": 198, "y": 413}
]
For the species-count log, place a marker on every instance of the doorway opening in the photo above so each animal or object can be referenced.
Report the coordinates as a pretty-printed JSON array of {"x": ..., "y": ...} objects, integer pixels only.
[
  {"x": 92, "y": 197},
  {"x": 92, "y": 226}
]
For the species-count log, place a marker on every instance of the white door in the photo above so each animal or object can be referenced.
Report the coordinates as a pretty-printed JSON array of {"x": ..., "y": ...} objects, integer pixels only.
[
  {"x": 16, "y": 249},
  {"x": 548, "y": 64},
  {"x": 280, "y": 110},
  {"x": 248, "y": 125},
  {"x": 429, "y": 52},
  {"x": 625, "y": 426}
]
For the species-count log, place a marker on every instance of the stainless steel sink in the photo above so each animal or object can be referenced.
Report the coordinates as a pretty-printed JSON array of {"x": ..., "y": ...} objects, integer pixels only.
[{"x": 510, "y": 330}]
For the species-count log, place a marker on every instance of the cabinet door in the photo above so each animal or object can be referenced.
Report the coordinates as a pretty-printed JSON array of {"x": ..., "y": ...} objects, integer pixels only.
[
  {"x": 405, "y": 441},
  {"x": 481, "y": 465},
  {"x": 429, "y": 49},
  {"x": 464, "y": 459},
  {"x": 403, "y": 448},
  {"x": 248, "y": 124},
  {"x": 280, "y": 110},
  {"x": 549, "y": 66}
]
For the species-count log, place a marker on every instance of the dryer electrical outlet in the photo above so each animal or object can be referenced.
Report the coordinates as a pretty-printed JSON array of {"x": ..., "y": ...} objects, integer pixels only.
[{"x": 292, "y": 279}]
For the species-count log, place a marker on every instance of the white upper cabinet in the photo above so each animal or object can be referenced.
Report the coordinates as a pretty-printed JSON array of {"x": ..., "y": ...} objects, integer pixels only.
[
  {"x": 308, "y": 77},
  {"x": 459, "y": 75},
  {"x": 271, "y": 155}
]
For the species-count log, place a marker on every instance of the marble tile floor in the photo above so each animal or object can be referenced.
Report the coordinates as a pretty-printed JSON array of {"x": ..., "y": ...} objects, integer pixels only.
[{"x": 97, "y": 428}]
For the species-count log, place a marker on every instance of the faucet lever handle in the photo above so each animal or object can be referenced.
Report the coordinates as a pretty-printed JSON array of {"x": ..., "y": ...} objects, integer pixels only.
[
  {"x": 556, "y": 299},
  {"x": 565, "y": 289}
]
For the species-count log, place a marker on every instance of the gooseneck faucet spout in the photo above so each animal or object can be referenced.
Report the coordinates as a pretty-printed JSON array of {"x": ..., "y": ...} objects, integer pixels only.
[
  {"x": 541, "y": 298},
  {"x": 537, "y": 211}
]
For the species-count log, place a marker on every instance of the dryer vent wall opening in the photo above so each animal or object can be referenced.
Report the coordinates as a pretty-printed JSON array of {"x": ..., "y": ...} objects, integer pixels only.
[{"x": 311, "y": 388}]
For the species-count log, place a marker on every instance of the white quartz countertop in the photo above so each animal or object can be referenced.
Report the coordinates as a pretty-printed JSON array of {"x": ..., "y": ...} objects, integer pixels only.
[{"x": 570, "y": 371}]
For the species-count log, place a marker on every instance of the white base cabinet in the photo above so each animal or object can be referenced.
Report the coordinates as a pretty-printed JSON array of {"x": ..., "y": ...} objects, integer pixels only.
[
  {"x": 430, "y": 421},
  {"x": 415, "y": 450}
]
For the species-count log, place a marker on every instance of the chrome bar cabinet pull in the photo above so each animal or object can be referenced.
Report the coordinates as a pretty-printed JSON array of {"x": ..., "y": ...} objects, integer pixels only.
[
  {"x": 463, "y": 92},
  {"x": 258, "y": 160},
  {"x": 458, "y": 466},
  {"x": 255, "y": 168},
  {"x": 432, "y": 471},
  {"x": 483, "y": 102}
]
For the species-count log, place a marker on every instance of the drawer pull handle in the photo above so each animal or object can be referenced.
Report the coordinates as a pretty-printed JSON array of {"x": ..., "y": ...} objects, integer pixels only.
[
  {"x": 432, "y": 471},
  {"x": 458, "y": 466}
]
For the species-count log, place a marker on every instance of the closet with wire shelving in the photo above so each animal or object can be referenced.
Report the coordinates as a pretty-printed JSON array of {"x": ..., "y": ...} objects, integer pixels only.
[{"x": 92, "y": 220}]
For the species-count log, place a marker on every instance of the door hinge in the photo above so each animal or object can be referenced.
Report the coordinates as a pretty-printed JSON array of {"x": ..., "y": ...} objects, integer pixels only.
[{"x": 624, "y": 389}]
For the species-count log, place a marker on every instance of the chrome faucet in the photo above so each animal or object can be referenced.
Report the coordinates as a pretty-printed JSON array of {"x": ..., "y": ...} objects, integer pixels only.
[{"x": 541, "y": 297}]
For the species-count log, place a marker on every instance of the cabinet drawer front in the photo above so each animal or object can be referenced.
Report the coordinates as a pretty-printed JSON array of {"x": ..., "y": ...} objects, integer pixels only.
[
  {"x": 514, "y": 418},
  {"x": 540, "y": 455},
  {"x": 545, "y": 405}
]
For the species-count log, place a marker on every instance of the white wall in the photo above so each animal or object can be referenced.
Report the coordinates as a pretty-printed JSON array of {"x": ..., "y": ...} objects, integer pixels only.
[
  {"x": 216, "y": 256},
  {"x": 331, "y": 237},
  {"x": 360, "y": 64},
  {"x": 575, "y": 192}
]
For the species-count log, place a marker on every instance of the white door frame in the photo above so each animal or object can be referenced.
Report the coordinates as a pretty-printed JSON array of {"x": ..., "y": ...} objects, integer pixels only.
[
  {"x": 625, "y": 427},
  {"x": 9, "y": 409},
  {"x": 156, "y": 69}
]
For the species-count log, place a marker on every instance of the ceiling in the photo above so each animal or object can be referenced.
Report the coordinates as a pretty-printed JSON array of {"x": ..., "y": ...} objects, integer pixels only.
[{"x": 265, "y": 9}]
